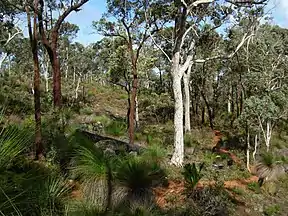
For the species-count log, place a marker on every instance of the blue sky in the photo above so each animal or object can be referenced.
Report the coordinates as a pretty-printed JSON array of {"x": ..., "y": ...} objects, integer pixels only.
[{"x": 93, "y": 10}]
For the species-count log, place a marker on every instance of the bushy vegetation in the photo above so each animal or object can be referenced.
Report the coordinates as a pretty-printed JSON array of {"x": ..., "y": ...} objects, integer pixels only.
[{"x": 179, "y": 108}]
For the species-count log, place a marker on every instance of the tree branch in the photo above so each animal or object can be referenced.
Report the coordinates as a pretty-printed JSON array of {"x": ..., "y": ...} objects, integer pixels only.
[
  {"x": 189, "y": 58},
  {"x": 153, "y": 40},
  {"x": 244, "y": 39},
  {"x": 66, "y": 13},
  {"x": 10, "y": 37}
]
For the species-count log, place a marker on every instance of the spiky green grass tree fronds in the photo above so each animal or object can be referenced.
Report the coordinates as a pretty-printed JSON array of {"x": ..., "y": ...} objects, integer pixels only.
[
  {"x": 269, "y": 168},
  {"x": 27, "y": 187},
  {"x": 155, "y": 153},
  {"x": 13, "y": 142},
  {"x": 93, "y": 168},
  {"x": 136, "y": 178}
]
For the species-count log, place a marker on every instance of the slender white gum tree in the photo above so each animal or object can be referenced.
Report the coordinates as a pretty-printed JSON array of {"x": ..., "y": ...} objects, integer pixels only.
[{"x": 182, "y": 58}]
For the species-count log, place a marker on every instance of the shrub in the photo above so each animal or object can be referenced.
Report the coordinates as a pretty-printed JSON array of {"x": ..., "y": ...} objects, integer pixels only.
[
  {"x": 92, "y": 167},
  {"x": 192, "y": 175},
  {"x": 272, "y": 210},
  {"x": 116, "y": 128},
  {"x": 190, "y": 141},
  {"x": 211, "y": 201},
  {"x": 254, "y": 186},
  {"x": 136, "y": 177},
  {"x": 269, "y": 167},
  {"x": 155, "y": 153}
]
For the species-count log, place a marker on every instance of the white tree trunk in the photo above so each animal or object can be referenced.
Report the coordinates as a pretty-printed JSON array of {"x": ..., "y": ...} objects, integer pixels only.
[
  {"x": 46, "y": 84},
  {"x": 136, "y": 112},
  {"x": 255, "y": 147},
  {"x": 267, "y": 135},
  {"x": 229, "y": 100},
  {"x": 74, "y": 75},
  {"x": 9, "y": 66},
  {"x": 2, "y": 59},
  {"x": 178, "y": 155},
  {"x": 67, "y": 63},
  {"x": 186, "y": 79},
  {"x": 46, "y": 75},
  {"x": 248, "y": 152},
  {"x": 77, "y": 88}
]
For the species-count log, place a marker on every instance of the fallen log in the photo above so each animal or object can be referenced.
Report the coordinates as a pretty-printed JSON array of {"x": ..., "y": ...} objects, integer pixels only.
[{"x": 97, "y": 138}]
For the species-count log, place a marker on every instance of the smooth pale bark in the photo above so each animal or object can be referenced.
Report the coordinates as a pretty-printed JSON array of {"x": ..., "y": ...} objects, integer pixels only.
[
  {"x": 9, "y": 65},
  {"x": 229, "y": 100},
  {"x": 2, "y": 59},
  {"x": 248, "y": 152},
  {"x": 186, "y": 79},
  {"x": 46, "y": 75},
  {"x": 255, "y": 147},
  {"x": 77, "y": 88},
  {"x": 178, "y": 155},
  {"x": 74, "y": 75},
  {"x": 9, "y": 39},
  {"x": 267, "y": 134},
  {"x": 136, "y": 112},
  {"x": 67, "y": 64},
  {"x": 46, "y": 84}
]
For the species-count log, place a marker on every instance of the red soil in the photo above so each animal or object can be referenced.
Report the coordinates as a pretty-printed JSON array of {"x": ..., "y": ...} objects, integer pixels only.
[{"x": 175, "y": 189}]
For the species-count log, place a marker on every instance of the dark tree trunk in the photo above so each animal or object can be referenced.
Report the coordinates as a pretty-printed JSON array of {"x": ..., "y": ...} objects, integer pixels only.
[
  {"x": 51, "y": 46},
  {"x": 57, "y": 97},
  {"x": 37, "y": 103},
  {"x": 203, "y": 116},
  {"x": 209, "y": 109},
  {"x": 37, "y": 107}
]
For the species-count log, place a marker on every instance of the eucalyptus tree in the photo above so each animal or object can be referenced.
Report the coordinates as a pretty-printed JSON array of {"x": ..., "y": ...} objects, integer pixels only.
[
  {"x": 126, "y": 19},
  {"x": 68, "y": 32},
  {"x": 33, "y": 36},
  {"x": 265, "y": 81},
  {"x": 50, "y": 37},
  {"x": 189, "y": 17},
  {"x": 9, "y": 30}
]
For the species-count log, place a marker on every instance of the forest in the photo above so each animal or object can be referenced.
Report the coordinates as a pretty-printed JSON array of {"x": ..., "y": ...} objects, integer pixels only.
[{"x": 180, "y": 108}]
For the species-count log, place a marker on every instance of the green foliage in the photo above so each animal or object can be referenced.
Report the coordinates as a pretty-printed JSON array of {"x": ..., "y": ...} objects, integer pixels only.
[
  {"x": 21, "y": 196},
  {"x": 190, "y": 141},
  {"x": 155, "y": 153},
  {"x": 272, "y": 210},
  {"x": 268, "y": 159},
  {"x": 192, "y": 175},
  {"x": 238, "y": 190},
  {"x": 13, "y": 142},
  {"x": 116, "y": 128},
  {"x": 254, "y": 186},
  {"x": 138, "y": 176},
  {"x": 86, "y": 111},
  {"x": 90, "y": 161}
]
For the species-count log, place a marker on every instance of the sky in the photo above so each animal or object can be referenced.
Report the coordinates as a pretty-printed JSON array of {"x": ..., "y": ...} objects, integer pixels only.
[{"x": 93, "y": 10}]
